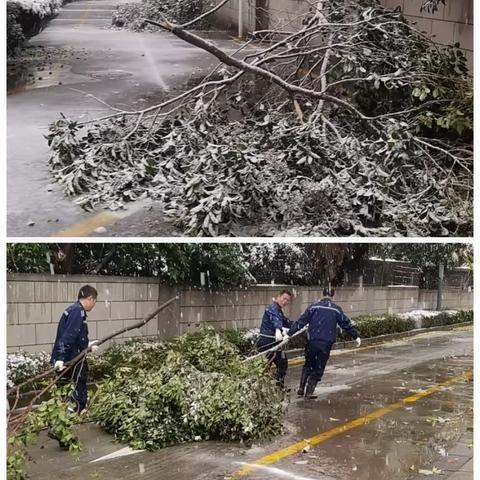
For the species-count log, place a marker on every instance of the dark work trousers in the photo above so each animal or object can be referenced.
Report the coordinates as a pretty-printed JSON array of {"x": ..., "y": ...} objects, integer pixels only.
[
  {"x": 78, "y": 375},
  {"x": 279, "y": 358},
  {"x": 304, "y": 377},
  {"x": 316, "y": 358}
]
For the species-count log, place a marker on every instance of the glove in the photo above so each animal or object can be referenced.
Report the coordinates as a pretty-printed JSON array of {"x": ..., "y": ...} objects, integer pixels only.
[
  {"x": 285, "y": 331},
  {"x": 278, "y": 335},
  {"x": 285, "y": 337},
  {"x": 358, "y": 340},
  {"x": 93, "y": 346},
  {"x": 58, "y": 366}
]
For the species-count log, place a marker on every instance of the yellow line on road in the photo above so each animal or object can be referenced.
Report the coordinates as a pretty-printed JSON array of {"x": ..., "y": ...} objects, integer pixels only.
[
  {"x": 365, "y": 420},
  {"x": 87, "y": 227},
  {"x": 85, "y": 16}
]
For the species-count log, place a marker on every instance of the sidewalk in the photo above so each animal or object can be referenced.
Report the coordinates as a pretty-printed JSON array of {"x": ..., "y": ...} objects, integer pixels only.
[{"x": 456, "y": 465}]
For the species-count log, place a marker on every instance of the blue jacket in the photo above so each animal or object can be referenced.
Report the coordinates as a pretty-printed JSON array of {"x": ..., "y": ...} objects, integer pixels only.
[
  {"x": 273, "y": 318},
  {"x": 322, "y": 318},
  {"x": 72, "y": 334}
]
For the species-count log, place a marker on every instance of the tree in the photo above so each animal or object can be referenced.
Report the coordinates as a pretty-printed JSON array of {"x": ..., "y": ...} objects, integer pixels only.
[
  {"x": 302, "y": 264},
  {"x": 431, "y": 258},
  {"x": 28, "y": 257},
  {"x": 431, "y": 5},
  {"x": 426, "y": 256},
  {"x": 179, "y": 264},
  {"x": 353, "y": 124}
]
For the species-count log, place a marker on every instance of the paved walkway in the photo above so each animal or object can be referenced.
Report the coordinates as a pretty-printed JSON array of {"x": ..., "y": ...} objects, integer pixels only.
[
  {"x": 347, "y": 442},
  {"x": 457, "y": 465}
]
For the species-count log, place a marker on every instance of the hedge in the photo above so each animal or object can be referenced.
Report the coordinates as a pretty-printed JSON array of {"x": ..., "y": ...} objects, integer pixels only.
[
  {"x": 132, "y": 15},
  {"x": 26, "y": 18},
  {"x": 22, "y": 366},
  {"x": 15, "y": 35},
  {"x": 374, "y": 325},
  {"x": 443, "y": 318}
]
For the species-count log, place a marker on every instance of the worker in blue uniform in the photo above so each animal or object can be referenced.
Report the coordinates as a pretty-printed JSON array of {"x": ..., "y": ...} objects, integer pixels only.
[
  {"x": 322, "y": 319},
  {"x": 71, "y": 339},
  {"x": 272, "y": 329}
]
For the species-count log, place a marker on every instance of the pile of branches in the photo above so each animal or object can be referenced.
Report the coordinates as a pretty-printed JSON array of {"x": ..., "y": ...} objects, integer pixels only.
[
  {"x": 133, "y": 15},
  {"x": 194, "y": 388},
  {"x": 354, "y": 124}
]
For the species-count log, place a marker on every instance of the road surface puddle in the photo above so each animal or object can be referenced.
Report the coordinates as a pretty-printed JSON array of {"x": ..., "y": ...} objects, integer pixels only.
[{"x": 42, "y": 67}]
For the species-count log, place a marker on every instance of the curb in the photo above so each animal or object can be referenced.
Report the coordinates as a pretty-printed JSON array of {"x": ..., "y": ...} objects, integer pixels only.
[{"x": 390, "y": 336}]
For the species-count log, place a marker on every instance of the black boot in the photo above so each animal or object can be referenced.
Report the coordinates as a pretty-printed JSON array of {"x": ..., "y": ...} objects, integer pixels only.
[
  {"x": 301, "y": 387},
  {"x": 281, "y": 385},
  {"x": 63, "y": 445},
  {"x": 310, "y": 389}
]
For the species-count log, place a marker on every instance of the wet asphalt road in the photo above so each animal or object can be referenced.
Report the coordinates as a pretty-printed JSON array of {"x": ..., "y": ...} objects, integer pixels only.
[
  {"x": 127, "y": 70},
  {"x": 356, "y": 383}
]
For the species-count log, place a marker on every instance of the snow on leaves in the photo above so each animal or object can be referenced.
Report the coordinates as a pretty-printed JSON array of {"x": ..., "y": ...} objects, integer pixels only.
[{"x": 381, "y": 144}]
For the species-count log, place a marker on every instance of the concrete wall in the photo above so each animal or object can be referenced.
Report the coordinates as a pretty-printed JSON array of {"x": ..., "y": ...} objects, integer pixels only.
[
  {"x": 452, "y": 299},
  {"x": 227, "y": 17},
  {"x": 36, "y": 302},
  {"x": 450, "y": 24}
]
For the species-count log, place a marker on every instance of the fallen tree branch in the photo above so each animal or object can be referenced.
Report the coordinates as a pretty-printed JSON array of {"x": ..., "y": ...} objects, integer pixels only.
[
  {"x": 366, "y": 90},
  {"x": 247, "y": 67},
  {"x": 82, "y": 354}
]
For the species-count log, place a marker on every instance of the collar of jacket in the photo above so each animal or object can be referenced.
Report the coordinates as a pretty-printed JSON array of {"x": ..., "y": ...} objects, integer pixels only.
[{"x": 84, "y": 311}]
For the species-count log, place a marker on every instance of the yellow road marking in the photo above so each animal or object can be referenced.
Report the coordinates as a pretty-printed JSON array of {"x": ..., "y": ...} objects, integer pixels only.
[
  {"x": 365, "y": 420},
  {"x": 464, "y": 329},
  {"x": 85, "y": 16},
  {"x": 85, "y": 228}
]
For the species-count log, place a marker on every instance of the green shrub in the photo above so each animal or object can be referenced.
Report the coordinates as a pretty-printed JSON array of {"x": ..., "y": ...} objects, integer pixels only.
[
  {"x": 52, "y": 412},
  {"x": 22, "y": 366},
  {"x": 194, "y": 387},
  {"x": 139, "y": 353},
  {"x": 298, "y": 342},
  {"x": 243, "y": 339},
  {"x": 135, "y": 353},
  {"x": 448, "y": 318},
  {"x": 25, "y": 17},
  {"x": 374, "y": 325},
  {"x": 15, "y": 36},
  {"x": 132, "y": 15}
]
